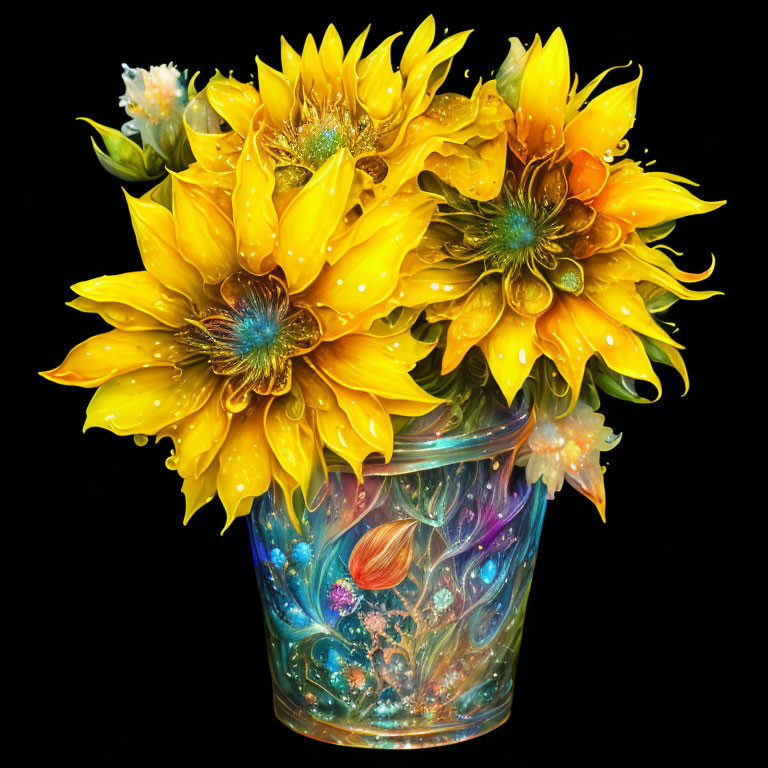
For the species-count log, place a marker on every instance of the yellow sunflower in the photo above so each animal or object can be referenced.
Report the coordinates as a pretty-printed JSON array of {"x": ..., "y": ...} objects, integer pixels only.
[
  {"x": 390, "y": 120},
  {"x": 559, "y": 263},
  {"x": 236, "y": 358}
]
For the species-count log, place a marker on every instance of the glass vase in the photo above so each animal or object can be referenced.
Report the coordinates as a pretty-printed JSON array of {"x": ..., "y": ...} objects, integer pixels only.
[{"x": 394, "y": 602}]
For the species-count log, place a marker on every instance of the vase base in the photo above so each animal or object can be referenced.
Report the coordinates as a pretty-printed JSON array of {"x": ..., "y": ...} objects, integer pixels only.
[{"x": 386, "y": 738}]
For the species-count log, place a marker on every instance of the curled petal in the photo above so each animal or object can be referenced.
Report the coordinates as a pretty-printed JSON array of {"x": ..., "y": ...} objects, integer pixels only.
[
  {"x": 587, "y": 176},
  {"x": 604, "y": 122},
  {"x": 647, "y": 199},
  {"x": 527, "y": 292},
  {"x": 236, "y": 102}
]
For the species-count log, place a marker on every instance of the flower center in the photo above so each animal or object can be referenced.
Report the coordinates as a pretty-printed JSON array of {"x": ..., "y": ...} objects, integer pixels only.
[
  {"x": 515, "y": 231},
  {"x": 320, "y": 132},
  {"x": 318, "y": 141},
  {"x": 511, "y": 237},
  {"x": 252, "y": 339}
]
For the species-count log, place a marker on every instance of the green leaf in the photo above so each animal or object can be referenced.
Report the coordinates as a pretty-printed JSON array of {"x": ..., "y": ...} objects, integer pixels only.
[
  {"x": 123, "y": 158},
  {"x": 616, "y": 385}
]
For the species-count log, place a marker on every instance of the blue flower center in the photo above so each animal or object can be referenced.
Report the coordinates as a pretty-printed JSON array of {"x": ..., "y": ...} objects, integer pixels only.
[
  {"x": 255, "y": 332},
  {"x": 515, "y": 230}
]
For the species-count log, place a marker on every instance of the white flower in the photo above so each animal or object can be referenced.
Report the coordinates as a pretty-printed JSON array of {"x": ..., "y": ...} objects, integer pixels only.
[
  {"x": 155, "y": 102},
  {"x": 568, "y": 448}
]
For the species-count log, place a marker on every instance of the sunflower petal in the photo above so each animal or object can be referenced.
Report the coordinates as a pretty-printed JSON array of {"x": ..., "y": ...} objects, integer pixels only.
[
  {"x": 205, "y": 233},
  {"x": 156, "y": 236},
  {"x": 379, "y": 87},
  {"x": 647, "y": 199},
  {"x": 277, "y": 94},
  {"x": 510, "y": 352},
  {"x": 543, "y": 95},
  {"x": 478, "y": 315},
  {"x": 368, "y": 417},
  {"x": 254, "y": 214},
  {"x": 527, "y": 292},
  {"x": 149, "y": 399},
  {"x": 119, "y": 315},
  {"x": 198, "y": 437},
  {"x": 198, "y": 491},
  {"x": 604, "y": 122},
  {"x": 574, "y": 329},
  {"x": 244, "y": 468},
  {"x": 111, "y": 354},
  {"x": 139, "y": 290},
  {"x": 625, "y": 305},
  {"x": 311, "y": 218},
  {"x": 375, "y": 365},
  {"x": 236, "y": 102},
  {"x": 368, "y": 273},
  {"x": 292, "y": 441}
]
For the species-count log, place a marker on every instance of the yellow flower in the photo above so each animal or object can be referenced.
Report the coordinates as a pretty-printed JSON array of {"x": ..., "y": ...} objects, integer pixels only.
[
  {"x": 558, "y": 264},
  {"x": 239, "y": 359},
  {"x": 390, "y": 120}
]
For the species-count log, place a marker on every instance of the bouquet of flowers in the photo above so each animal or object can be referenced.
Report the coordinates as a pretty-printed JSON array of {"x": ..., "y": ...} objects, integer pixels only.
[{"x": 363, "y": 302}]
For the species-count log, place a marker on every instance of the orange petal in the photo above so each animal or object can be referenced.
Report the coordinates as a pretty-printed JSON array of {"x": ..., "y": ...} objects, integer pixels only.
[
  {"x": 382, "y": 556},
  {"x": 647, "y": 199},
  {"x": 587, "y": 176}
]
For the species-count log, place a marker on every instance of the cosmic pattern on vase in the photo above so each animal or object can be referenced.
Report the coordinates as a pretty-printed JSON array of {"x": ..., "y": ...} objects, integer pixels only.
[{"x": 400, "y": 607}]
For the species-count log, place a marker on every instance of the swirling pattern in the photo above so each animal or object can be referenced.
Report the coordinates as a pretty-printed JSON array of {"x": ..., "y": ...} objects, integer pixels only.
[{"x": 430, "y": 657}]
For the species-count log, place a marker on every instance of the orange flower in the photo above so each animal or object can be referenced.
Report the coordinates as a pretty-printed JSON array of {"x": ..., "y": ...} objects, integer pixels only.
[{"x": 382, "y": 557}]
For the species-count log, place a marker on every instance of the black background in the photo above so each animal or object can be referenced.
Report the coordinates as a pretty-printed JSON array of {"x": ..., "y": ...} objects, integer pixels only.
[{"x": 136, "y": 638}]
